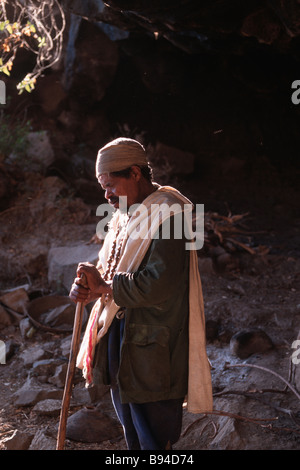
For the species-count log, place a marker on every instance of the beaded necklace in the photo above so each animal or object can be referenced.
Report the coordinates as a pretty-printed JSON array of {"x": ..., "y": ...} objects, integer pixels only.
[{"x": 115, "y": 253}]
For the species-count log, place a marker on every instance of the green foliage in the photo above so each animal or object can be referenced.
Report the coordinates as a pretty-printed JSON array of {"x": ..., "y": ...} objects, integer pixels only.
[
  {"x": 28, "y": 84},
  {"x": 35, "y": 26},
  {"x": 13, "y": 135}
]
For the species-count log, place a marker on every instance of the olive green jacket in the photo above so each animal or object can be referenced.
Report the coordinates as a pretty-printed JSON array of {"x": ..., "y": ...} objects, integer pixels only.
[{"x": 154, "y": 351}]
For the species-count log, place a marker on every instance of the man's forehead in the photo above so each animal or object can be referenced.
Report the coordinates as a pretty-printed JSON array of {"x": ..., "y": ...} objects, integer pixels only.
[{"x": 105, "y": 179}]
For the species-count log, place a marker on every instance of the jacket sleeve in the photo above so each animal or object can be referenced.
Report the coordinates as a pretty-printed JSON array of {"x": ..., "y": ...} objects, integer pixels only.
[{"x": 158, "y": 279}]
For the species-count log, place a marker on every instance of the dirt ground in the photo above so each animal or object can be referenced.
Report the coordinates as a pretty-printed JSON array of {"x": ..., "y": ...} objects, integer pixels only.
[{"x": 253, "y": 407}]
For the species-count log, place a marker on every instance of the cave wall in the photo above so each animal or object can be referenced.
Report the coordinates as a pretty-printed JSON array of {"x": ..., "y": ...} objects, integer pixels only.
[{"x": 213, "y": 79}]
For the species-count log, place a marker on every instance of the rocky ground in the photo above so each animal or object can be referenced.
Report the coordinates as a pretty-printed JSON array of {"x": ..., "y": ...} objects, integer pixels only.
[{"x": 254, "y": 291}]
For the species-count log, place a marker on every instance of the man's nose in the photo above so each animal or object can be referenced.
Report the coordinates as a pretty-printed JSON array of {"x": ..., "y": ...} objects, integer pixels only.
[{"x": 107, "y": 194}]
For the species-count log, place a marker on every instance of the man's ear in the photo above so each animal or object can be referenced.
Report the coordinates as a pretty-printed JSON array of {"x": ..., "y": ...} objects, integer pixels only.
[{"x": 136, "y": 172}]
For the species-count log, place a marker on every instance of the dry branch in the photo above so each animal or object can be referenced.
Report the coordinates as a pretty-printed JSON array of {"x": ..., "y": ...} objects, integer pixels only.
[
  {"x": 230, "y": 233},
  {"x": 230, "y": 415},
  {"x": 227, "y": 366}
]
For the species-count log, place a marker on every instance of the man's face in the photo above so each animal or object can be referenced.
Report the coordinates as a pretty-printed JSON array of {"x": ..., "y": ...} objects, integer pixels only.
[{"x": 116, "y": 186}]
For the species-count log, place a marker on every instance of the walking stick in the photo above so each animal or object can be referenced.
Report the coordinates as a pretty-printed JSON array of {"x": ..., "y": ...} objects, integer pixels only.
[{"x": 61, "y": 435}]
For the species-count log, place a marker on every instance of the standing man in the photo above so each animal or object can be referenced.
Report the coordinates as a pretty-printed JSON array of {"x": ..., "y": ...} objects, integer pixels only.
[{"x": 146, "y": 333}]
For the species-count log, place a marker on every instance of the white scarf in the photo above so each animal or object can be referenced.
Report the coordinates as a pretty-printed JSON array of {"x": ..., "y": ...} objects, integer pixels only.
[{"x": 199, "y": 398}]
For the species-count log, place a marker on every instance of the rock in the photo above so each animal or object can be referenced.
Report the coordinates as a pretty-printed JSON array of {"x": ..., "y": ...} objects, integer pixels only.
[
  {"x": 176, "y": 160},
  {"x": 91, "y": 425},
  {"x": 53, "y": 313},
  {"x": 59, "y": 377},
  {"x": 94, "y": 66},
  {"x": 225, "y": 335},
  {"x": 206, "y": 266},
  {"x": 65, "y": 346},
  {"x": 32, "y": 392},
  {"x": 63, "y": 262},
  {"x": 48, "y": 407},
  {"x": 43, "y": 440},
  {"x": 237, "y": 289},
  {"x": 81, "y": 394},
  {"x": 10, "y": 348},
  {"x": 18, "y": 441},
  {"x": 248, "y": 342},
  {"x": 44, "y": 367},
  {"x": 216, "y": 251},
  {"x": 32, "y": 354},
  {"x": 34, "y": 263},
  {"x": 59, "y": 317},
  {"x": 212, "y": 330},
  {"x": 27, "y": 397},
  {"x": 224, "y": 261},
  {"x": 5, "y": 318},
  {"x": 228, "y": 437},
  {"x": 262, "y": 24},
  {"x": 16, "y": 299},
  {"x": 39, "y": 149},
  {"x": 54, "y": 204},
  {"x": 100, "y": 393},
  {"x": 26, "y": 328},
  {"x": 50, "y": 94},
  {"x": 89, "y": 191}
]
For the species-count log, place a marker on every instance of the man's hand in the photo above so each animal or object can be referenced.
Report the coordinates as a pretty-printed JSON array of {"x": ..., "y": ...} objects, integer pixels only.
[{"x": 93, "y": 287}]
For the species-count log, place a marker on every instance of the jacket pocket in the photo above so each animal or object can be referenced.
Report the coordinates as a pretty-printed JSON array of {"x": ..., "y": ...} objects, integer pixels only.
[{"x": 145, "y": 359}]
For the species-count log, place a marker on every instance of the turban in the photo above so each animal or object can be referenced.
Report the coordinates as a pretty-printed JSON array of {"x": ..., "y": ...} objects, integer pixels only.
[{"x": 120, "y": 154}]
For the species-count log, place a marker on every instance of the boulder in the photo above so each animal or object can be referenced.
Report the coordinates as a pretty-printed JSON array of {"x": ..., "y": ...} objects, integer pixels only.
[
  {"x": 93, "y": 67},
  {"x": 39, "y": 149},
  {"x": 32, "y": 354},
  {"x": 43, "y": 440},
  {"x": 15, "y": 299},
  {"x": 91, "y": 425},
  {"x": 44, "y": 367},
  {"x": 5, "y": 318},
  {"x": 11, "y": 347},
  {"x": 248, "y": 342},
  {"x": 53, "y": 313},
  {"x": 18, "y": 441},
  {"x": 65, "y": 346},
  {"x": 59, "y": 377},
  {"x": 211, "y": 330},
  {"x": 63, "y": 262},
  {"x": 48, "y": 407},
  {"x": 176, "y": 161},
  {"x": 206, "y": 266},
  {"x": 50, "y": 94},
  {"x": 26, "y": 328},
  {"x": 32, "y": 392},
  {"x": 228, "y": 436}
]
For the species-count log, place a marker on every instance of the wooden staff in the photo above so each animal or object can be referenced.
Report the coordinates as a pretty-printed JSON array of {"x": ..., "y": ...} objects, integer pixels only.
[{"x": 61, "y": 435}]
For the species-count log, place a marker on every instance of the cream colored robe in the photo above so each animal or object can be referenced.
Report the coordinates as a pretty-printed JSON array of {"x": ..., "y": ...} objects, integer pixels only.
[{"x": 199, "y": 398}]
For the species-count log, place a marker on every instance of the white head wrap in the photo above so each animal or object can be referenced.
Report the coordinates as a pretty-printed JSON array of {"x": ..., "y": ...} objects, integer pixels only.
[{"x": 120, "y": 154}]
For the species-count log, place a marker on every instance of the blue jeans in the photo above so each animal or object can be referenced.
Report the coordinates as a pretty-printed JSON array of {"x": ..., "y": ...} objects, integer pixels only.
[{"x": 147, "y": 426}]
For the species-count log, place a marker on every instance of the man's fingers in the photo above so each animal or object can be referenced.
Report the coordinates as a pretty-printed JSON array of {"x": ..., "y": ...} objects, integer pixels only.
[
  {"x": 79, "y": 282},
  {"x": 79, "y": 293},
  {"x": 84, "y": 268}
]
